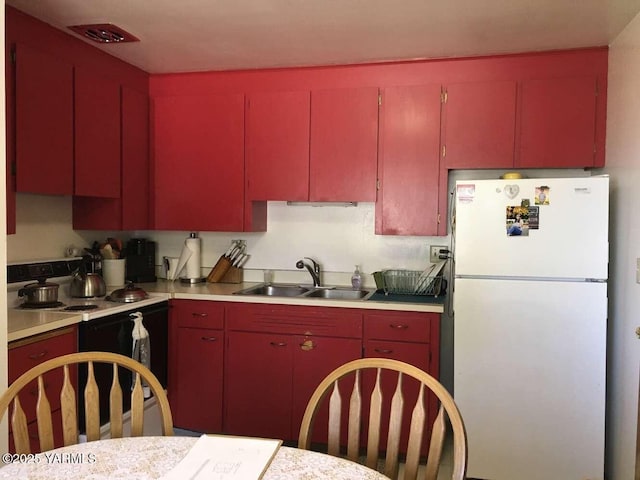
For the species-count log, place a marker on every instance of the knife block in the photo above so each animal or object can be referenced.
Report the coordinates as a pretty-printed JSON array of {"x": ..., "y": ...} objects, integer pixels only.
[
  {"x": 219, "y": 270},
  {"x": 233, "y": 275}
]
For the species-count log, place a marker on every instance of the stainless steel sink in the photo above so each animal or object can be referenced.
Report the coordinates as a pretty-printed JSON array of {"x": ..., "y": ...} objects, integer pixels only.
[
  {"x": 274, "y": 290},
  {"x": 338, "y": 294}
]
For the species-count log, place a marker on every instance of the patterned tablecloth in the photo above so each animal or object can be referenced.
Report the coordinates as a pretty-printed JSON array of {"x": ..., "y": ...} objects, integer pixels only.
[{"x": 144, "y": 458}]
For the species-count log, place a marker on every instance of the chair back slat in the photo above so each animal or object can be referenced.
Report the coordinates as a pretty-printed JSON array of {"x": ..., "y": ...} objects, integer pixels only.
[
  {"x": 115, "y": 404},
  {"x": 395, "y": 426},
  {"x": 137, "y": 408},
  {"x": 401, "y": 402},
  {"x": 19, "y": 428},
  {"x": 43, "y": 415},
  {"x": 335, "y": 411},
  {"x": 355, "y": 420},
  {"x": 375, "y": 415},
  {"x": 68, "y": 409},
  {"x": 438, "y": 432},
  {"x": 416, "y": 433},
  {"x": 92, "y": 406},
  {"x": 68, "y": 403}
]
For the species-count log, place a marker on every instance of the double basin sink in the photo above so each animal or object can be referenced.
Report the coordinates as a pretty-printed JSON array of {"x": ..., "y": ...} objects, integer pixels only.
[{"x": 287, "y": 290}]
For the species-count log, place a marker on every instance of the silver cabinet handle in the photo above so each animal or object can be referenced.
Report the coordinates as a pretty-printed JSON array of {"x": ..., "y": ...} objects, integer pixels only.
[
  {"x": 195, "y": 314},
  {"x": 209, "y": 339},
  {"x": 383, "y": 350},
  {"x": 278, "y": 344},
  {"x": 35, "y": 356},
  {"x": 399, "y": 327}
]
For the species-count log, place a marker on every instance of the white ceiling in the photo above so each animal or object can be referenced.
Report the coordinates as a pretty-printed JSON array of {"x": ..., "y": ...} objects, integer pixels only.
[{"x": 196, "y": 35}]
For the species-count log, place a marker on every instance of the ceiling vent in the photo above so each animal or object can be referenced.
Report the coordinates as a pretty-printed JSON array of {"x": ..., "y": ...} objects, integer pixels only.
[{"x": 104, "y": 33}]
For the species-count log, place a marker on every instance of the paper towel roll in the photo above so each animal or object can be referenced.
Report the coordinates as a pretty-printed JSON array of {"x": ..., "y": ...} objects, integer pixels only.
[{"x": 189, "y": 265}]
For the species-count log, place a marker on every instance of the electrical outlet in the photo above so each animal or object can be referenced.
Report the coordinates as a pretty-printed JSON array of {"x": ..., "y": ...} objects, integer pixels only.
[{"x": 434, "y": 253}]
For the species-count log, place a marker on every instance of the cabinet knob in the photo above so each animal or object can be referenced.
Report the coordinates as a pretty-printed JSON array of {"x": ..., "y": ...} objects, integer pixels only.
[{"x": 307, "y": 345}]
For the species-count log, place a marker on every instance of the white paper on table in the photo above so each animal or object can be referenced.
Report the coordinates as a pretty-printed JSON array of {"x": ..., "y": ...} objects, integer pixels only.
[{"x": 222, "y": 457}]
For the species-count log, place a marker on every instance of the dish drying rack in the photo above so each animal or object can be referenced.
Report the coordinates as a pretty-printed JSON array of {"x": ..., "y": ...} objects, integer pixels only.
[{"x": 429, "y": 282}]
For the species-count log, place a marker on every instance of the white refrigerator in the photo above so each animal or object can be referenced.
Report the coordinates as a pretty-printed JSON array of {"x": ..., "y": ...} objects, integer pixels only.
[{"x": 530, "y": 326}]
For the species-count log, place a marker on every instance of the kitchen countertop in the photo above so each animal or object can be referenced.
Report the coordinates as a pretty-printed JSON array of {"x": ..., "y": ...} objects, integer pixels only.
[{"x": 25, "y": 323}]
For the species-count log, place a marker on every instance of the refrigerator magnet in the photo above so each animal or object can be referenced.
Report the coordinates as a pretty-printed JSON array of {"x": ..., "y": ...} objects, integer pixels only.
[
  {"x": 534, "y": 217},
  {"x": 466, "y": 192},
  {"x": 542, "y": 195},
  {"x": 517, "y": 221}
]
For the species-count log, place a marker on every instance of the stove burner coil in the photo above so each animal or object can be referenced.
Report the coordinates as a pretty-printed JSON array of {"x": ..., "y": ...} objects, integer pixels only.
[
  {"x": 36, "y": 306},
  {"x": 77, "y": 308}
]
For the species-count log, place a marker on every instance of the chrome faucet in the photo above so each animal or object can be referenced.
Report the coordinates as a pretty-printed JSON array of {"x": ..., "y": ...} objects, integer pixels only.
[{"x": 313, "y": 270}]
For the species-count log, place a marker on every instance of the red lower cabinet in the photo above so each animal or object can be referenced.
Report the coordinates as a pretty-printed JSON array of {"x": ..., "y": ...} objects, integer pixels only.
[
  {"x": 27, "y": 353},
  {"x": 404, "y": 336},
  {"x": 272, "y": 371},
  {"x": 196, "y": 364}
]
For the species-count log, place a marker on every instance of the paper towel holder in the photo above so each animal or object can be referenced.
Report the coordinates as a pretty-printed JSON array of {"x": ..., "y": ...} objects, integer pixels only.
[{"x": 192, "y": 280}]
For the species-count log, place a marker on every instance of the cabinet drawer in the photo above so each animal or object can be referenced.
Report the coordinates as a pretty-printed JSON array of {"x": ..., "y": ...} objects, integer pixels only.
[
  {"x": 399, "y": 326},
  {"x": 26, "y": 354},
  {"x": 298, "y": 320},
  {"x": 198, "y": 313}
]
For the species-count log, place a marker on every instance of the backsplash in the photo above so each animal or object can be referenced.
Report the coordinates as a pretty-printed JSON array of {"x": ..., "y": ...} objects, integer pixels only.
[{"x": 337, "y": 237}]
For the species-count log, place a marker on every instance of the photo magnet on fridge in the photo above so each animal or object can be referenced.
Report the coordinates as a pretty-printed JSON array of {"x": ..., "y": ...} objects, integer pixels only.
[
  {"x": 517, "y": 221},
  {"x": 542, "y": 195}
]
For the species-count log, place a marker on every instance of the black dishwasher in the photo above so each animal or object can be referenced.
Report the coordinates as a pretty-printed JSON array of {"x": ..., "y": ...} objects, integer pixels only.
[{"x": 112, "y": 333}]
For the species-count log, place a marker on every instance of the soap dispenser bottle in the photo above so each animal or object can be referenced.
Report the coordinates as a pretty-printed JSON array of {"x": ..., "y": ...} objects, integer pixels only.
[{"x": 356, "y": 279}]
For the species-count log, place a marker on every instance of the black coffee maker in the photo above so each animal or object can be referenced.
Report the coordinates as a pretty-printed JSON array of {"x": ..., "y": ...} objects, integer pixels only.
[{"x": 141, "y": 260}]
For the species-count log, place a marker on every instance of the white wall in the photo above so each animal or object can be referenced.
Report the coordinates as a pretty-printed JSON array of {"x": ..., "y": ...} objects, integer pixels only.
[
  {"x": 623, "y": 164},
  {"x": 43, "y": 228}
]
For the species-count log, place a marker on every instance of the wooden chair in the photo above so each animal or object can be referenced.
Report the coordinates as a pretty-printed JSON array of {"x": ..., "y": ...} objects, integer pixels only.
[
  {"x": 447, "y": 410},
  {"x": 69, "y": 405}
]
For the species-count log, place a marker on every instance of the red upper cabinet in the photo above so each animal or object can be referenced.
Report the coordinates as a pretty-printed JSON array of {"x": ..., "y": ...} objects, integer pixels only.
[
  {"x": 277, "y": 141},
  {"x": 43, "y": 123},
  {"x": 131, "y": 210},
  {"x": 558, "y": 123},
  {"x": 97, "y": 135},
  {"x": 409, "y": 161},
  {"x": 344, "y": 145},
  {"x": 478, "y": 125},
  {"x": 135, "y": 160},
  {"x": 199, "y": 162}
]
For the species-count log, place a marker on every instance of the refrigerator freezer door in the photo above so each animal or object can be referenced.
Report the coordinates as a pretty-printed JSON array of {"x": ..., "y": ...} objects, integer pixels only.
[
  {"x": 571, "y": 240},
  {"x": 529, "y": 377}
]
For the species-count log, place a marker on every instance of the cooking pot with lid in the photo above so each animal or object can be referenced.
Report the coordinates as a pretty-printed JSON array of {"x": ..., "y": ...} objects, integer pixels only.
[
  {"x": 39, "y": 293},
  {"x": 130, "y": 293}
]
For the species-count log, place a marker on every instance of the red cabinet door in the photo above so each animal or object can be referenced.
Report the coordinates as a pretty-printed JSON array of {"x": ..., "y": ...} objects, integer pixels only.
[
  {"x": 44, "y": 123},
  {"x": 313, "y": 359},
  {"x": 479, "y": 125},
  {"x": 97, "y": 135},
  {"x": 278, "y": 146},
  {"x": 131, "y": 210},
  {"x": 198, "y": 380},
  {"x": 344, "y": 145},
  {"x": 409, "y": 161},
  {"x": 558, "y": 123},
  {"x": 135, "y": 160},
  {"x": 258, "y": 388},
  {"x": 199, "y": 163}
]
